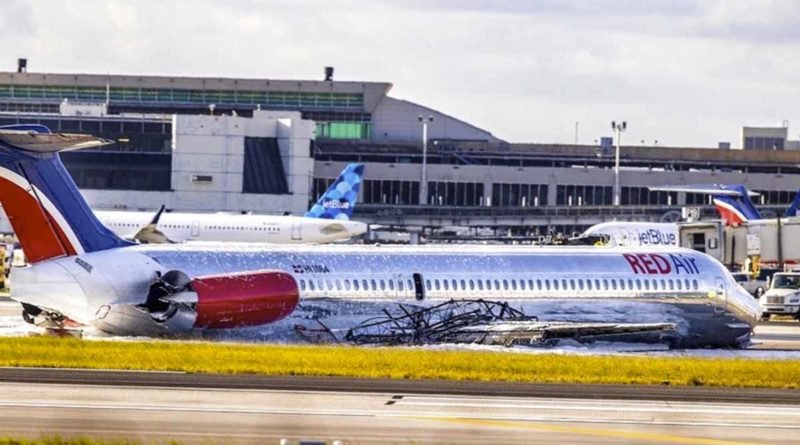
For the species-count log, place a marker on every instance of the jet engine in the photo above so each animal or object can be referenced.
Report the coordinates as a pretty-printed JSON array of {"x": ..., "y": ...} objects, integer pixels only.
[{"x": 221, "y": 301}]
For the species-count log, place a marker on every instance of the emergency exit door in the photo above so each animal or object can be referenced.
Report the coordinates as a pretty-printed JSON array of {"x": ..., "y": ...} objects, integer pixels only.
[
  {"x": 297, "y": 233},
  {"x": 195, "y": 229}
]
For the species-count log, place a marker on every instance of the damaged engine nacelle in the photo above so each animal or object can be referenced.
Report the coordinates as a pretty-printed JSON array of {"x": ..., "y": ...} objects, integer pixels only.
[{"x": 223, "y": 301}]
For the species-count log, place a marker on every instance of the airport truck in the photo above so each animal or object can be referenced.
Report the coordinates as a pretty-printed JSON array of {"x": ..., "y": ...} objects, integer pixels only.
[{"x": 783, "y": 296}]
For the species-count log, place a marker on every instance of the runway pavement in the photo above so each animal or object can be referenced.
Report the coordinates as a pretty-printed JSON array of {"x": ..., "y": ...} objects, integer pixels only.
[{"x": 252, "y": 415}]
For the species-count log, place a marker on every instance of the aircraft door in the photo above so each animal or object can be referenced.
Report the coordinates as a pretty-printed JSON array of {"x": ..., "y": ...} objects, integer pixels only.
[
  {"x": 721, "y": 305},
  {"x": 195, "y": 229},
  {"x": 419, "y": 289},
  {"x": 297, "y": 232}
]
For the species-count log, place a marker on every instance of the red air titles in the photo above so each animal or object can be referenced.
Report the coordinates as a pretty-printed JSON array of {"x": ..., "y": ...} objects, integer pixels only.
[{"x": 656, "y": 264}]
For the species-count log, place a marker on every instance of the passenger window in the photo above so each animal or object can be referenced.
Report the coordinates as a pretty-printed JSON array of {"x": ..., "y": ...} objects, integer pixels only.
[
  {"x": 383, "y": 285},
  {"x": 400, "y": 285},
  {"x": 302, "y": 284},
  {"x": 373, "y": 284},
  {"x": 364, "y": 285},
  {"x": 572, "y": 284},
  {"x": 480, "y": 284},
  {"x": 355, "y": 285},
  {"x": 694, "y": 284},
  {"x": 630, "y": 284},
  {"x": 446, "y": 285},
  {"x": 346, "y": 284},
  {"x": 589, "y": 284},
  {"x": 546, "y": 284},
  {"x": 463, "y": 285},
  {"x": 686, "y": 284},
  {"x": 436, "y": 284},
  {"x": 428, "y": 284},
  {"x": 678, "y": 282},
  {"x": 513, "y": 284},
  {"x": 522, "y": 284},
  {"x": 555, "y": 284},
  {"x": 614, "y": 283},
  {"x": 605, "y": 283},
  {"x": 338, "y": 285},
  {"x": 488, "y": 284},
  {"x": 638, "y": 284},
  {"x": 454, "y": 284},
  {"x": 330, "y": 284},
  {"x": 671, "y": 284},
  {"x": 391, "y": 284},
  {"x": 311, "y": 284},
  {"x": 320, "y": 285},
  {"x": 410, "y": 285},
  {"x": 471, "y": 285},
  {"x": 497, "y": 284},
  {"x": 597, "y": 284}
]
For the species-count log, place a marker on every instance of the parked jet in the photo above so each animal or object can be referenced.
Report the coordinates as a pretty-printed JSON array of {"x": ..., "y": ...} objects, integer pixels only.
[
  {"x": 634, "y": 233},
  {"x": 732, "y": 202},
  {"x": 327, "y": 221},
  {"x": 83, "y": 274}
]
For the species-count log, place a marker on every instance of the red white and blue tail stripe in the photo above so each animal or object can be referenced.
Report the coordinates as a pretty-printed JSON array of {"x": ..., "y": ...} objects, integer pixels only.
[{"x": 46, "y": 210}]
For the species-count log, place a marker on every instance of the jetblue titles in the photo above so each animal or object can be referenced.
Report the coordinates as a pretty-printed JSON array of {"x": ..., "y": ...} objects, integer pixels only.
[{"x": 656, "y": 237}]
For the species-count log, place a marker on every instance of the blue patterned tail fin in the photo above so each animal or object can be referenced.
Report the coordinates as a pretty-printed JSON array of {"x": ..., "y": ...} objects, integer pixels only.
[{"x": 340, "y": 198}]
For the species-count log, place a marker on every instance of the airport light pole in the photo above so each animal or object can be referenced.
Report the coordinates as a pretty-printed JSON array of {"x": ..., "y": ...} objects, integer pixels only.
[
  {"x": 618, "y": 128},
  {"x": 423, "y": 187}
]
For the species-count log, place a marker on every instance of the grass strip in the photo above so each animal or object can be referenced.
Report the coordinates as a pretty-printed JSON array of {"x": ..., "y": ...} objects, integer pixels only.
[{"x": 395, "y": 363}]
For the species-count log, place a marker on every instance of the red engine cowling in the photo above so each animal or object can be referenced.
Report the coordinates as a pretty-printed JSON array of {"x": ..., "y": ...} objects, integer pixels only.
[{"x": 244, "y": 299}]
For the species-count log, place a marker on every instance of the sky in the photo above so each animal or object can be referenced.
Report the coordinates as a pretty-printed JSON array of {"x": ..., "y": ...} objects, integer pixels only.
[{"x": 680, "y": 72}]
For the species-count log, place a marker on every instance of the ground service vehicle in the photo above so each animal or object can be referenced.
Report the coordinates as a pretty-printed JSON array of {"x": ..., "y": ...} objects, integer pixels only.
[{"x": 783, "y": 296}]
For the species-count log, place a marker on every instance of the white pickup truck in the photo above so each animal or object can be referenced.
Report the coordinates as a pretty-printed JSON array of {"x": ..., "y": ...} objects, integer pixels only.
[{"x": 783, "y": 295}]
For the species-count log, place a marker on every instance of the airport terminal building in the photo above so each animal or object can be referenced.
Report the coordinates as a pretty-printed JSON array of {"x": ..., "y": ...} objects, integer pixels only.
[{"x": 273, "y": 146}]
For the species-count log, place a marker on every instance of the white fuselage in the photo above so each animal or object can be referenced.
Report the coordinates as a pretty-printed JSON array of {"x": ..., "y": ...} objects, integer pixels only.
[
  {"x": 635, "y": 284},
  {"x": 637, "y": 234},
  {"x": 183, "y": 227}
]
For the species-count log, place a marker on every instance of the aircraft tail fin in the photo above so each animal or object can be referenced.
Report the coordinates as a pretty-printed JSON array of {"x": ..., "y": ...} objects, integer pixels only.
[
  {"x": 736, "y": 209},
  {"x": 792, "y": 210},
  {"x": 46, "y": 210},
  {"x": 339, "y": 200}
]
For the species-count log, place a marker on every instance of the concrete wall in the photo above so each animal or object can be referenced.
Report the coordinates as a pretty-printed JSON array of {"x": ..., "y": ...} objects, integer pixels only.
[
  {"x": 214, "y": 146},
  {"x": 396, "y": 119}
]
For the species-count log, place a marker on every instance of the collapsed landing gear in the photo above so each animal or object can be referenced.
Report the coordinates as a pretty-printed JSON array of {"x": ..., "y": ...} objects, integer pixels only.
[{"x": 49, "y": 320}]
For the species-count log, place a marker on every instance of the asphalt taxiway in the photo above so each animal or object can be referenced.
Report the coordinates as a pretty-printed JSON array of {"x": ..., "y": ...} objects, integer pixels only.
[{"x": 247, "y": 409}]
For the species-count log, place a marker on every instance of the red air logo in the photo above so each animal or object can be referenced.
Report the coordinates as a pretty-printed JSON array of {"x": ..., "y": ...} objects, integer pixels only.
[{"x": 656, "y": 264}]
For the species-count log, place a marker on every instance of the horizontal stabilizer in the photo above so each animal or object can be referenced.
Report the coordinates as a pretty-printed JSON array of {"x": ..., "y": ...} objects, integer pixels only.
[{"x": 50, "y": 142}]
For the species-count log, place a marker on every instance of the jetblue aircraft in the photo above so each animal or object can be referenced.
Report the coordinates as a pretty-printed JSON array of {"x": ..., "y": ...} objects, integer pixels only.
[
  {"x": 83, "y": 274},
  {"x": 327, "y": 221},
  {"x": 634, "y": 233}
]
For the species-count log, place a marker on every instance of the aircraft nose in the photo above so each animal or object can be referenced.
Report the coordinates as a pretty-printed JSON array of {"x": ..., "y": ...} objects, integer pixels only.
[{"x": 748, "y": 305}]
